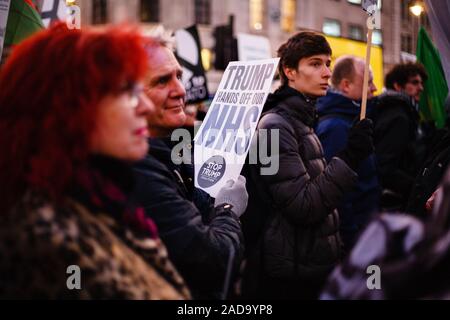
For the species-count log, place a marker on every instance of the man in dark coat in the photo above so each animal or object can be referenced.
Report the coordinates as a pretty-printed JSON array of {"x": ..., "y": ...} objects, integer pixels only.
[
  {"x": 202, "y": 235},
  {"x": 298, "y": 243},
  {"x": 337, "y": 111},
  {"x": 398, "y": 147}
]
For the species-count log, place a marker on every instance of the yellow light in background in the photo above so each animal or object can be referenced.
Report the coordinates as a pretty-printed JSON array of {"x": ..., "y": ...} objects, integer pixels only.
[
  {"x": 343, "y": 46},
  {"x": 206, "y": 59},
  {"x": 70, "y": 2},
  {"x": 257, "y": 26},
  {"x": 288, "y": 15},
  {"x": 417, "y": 9},
  {"x": 256, "y": 14}
]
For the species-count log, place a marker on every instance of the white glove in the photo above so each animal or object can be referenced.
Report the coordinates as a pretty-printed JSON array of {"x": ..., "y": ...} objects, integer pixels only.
[{"x": 233, "y": 193}]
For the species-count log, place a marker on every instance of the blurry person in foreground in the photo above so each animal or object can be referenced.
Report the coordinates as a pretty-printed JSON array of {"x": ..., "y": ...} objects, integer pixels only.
[{"x": 72, "y": 120}]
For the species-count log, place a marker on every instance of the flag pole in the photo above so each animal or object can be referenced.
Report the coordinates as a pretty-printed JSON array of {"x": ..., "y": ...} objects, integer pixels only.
[{"x": 366, "y": 75}]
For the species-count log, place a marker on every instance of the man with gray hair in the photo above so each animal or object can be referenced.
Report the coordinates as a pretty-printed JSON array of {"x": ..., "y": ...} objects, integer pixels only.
[
  {"x": 337, "y": 111},
  {"x": 203, "y": 238}
]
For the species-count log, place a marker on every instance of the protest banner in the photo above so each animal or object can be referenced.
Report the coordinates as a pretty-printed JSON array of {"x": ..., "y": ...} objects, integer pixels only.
[
  {"x": 4, "y": 10},
  {"x": 189, "y": 55},
  {"x": 223, "y": 140}
]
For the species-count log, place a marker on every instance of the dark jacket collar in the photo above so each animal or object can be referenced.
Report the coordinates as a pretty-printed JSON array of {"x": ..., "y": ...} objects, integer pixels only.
[
  {"x": 391, "y": 98},
  {"x": 293, "y": 103},
  {"x": 400, "y": 96},
  {"x": 336, "y": 103},
  {"x": 161, "y": 149}
]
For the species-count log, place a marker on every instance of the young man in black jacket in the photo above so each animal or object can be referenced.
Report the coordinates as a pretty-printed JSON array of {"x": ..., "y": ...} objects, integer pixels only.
[
  {"x": 291, "y": 225},
  {"x": 399, "y": 148}
]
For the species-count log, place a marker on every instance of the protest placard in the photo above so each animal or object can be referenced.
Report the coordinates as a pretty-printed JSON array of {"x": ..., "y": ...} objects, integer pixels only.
[
  {"x": 223, "y": 140},
  {"x": 251, "y": 47}
]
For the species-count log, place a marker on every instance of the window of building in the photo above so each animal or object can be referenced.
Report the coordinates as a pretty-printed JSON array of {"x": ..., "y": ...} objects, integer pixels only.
[
  {"x": 149, "y": 10},
  {"x": 356, "y": 32},
  {"x": 203, "y": 11},
  {"x": 99, "y": 11},
  {"x": 406, "y": 16},
  {"x": 332, "y": 27},
  {"x": 288, "y": 9},
  {"x": 256, "y": 14},
  {"x": 406, "y": 43}
]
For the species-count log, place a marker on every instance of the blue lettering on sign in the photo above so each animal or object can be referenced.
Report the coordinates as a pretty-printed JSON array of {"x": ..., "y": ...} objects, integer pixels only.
[{"x": 225, "y": 138}]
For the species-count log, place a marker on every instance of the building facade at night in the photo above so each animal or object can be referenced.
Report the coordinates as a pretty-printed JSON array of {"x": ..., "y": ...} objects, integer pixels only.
[{"x": 275, "y": 19}]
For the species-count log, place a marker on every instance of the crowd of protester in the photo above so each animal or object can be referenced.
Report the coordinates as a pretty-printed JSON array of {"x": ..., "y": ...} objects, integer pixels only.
[{"x": 88, "y": 179}]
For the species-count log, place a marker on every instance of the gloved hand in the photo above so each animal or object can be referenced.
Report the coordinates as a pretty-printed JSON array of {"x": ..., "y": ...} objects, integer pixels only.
[
  {"x": 359, "y": 145},
  {"x": 233, "y": 193}
]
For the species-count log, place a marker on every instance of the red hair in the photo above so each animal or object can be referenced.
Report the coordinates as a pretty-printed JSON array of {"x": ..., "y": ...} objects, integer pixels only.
[{"x": 51, "y": 86}]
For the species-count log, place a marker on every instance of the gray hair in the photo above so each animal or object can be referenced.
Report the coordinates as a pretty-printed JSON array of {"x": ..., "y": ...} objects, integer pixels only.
[{"x": 163, "y": 37}]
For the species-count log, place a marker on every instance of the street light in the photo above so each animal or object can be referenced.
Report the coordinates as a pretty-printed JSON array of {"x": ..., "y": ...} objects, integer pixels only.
[{"x": 417, "y": 8}]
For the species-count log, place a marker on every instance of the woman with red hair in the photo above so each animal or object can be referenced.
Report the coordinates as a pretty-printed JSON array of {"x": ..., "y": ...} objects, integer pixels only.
[{"x": 72, "y": 120}]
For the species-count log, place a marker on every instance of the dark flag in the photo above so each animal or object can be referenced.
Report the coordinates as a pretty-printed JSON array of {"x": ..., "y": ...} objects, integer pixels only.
[{"x": 189, "y": 55}]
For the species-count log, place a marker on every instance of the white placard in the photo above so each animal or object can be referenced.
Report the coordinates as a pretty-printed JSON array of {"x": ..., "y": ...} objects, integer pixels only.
[
  {"x": 251, "y": 47},
  {"x": 53, "y": 10},
  {"x": 4, "y": 10},
  {"x": 223, "y": 140}
]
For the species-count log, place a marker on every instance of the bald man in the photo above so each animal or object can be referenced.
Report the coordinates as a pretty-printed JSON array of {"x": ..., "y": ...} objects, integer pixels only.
[{"x": 337, "y": 111}]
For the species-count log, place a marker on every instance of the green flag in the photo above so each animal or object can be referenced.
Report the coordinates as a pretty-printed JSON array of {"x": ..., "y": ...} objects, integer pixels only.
[
  {"x": 436, "y": 88},
  {"x": 23, "y": 20}
]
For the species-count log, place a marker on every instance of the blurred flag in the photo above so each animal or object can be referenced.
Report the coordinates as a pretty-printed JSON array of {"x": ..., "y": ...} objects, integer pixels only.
[
  {"x": 23, "y": 20},
  {"x": 53, "y": 10},
  {"x": 438, "y": 12},
  {"x": 190, "y": 57},
  {"x": 436, "y": 88},
  {"x": 4, "y": 9}
]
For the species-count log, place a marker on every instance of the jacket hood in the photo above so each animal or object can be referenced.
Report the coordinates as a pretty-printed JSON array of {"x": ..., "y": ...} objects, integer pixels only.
[
  {"x": 294, "y": 103},
  {"x": 335, "y": 102},
  {"x": 281, "y": 94},
  {"x": 391, "y": 95}
]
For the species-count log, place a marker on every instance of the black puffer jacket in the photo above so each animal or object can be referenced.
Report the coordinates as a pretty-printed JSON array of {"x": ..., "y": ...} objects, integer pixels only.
[
  {"x": 291, "y": 222},
  {"x": 398, "y": 149}
]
